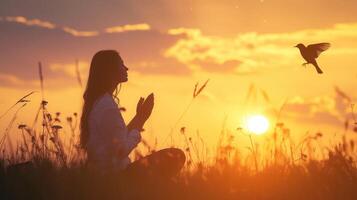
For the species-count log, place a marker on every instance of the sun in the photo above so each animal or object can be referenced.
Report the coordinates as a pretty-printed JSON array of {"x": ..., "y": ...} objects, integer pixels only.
[{"x": 257, "y": 124}]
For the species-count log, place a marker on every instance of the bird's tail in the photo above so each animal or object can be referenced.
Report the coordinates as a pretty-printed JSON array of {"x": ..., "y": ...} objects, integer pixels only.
[{"x": 318, "y": 69}]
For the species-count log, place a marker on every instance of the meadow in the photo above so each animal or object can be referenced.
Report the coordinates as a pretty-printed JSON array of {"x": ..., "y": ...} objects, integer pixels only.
[{"x": 47, "y": 165}]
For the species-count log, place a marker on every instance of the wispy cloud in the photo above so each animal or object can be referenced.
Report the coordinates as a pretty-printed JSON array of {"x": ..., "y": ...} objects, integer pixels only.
[
  {"x": 73, "y": 31},
  {"x": 9, "y": 79},
  {"x": 29, "y": 22},
  {"x": 69, "y": 69},
  {"x": 128, "y": 27},
  {"x": 162, "y": 67},
  {"x": 78, "y": 33},
  {"x": 328, "y": 109}
]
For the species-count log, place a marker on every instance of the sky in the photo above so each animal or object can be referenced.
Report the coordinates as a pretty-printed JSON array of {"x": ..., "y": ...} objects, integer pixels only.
[{"x": 244, "y": 47}]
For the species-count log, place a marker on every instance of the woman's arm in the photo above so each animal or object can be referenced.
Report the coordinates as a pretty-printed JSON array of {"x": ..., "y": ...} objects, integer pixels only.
[
  {"x": 117, "y": 139},
  {"x": 135, "y": 123}
]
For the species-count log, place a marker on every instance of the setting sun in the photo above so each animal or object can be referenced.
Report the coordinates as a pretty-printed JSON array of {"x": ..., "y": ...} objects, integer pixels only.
[{"x": 257, "y": 124}]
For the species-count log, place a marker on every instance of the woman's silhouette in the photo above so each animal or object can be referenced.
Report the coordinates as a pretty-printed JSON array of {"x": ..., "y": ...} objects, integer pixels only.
[{"x": 104, "y": 134}]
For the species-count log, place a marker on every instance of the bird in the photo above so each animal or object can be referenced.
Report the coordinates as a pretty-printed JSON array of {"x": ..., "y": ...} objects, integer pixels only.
[{"x": 311, "y": 52}]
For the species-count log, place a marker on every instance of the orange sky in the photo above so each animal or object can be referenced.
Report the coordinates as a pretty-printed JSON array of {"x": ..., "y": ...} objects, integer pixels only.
[{"x": 170, "y": 45}]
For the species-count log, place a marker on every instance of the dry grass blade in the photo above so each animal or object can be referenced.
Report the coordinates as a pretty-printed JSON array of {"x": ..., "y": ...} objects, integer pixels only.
[
  {"x": 195, "y": 94},
  {"x": 41, "y": 77},
  {"x": 21, "y": 100},
  {"x": 250, "y": 92},
  {"x": 194, "y": 91},
  {"x": 200, "y": 90},
  {"x": 9, "y": 126},
  {"x": 265, "y": 95},
  {"x": 342, "y": 94}
]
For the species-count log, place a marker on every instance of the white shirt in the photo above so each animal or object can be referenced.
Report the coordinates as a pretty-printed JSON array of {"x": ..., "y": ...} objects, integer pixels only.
[{"x": 109, "y": 142}]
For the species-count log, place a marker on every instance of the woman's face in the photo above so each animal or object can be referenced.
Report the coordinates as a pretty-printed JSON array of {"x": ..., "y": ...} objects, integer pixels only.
[{"x": 123, "y": 72}]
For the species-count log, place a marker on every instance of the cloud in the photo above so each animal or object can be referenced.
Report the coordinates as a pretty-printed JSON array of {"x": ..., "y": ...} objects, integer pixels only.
[
  {"x": 211, "y": 65},
  {"x": 164, "y": 67},
  {"x": 73, "y": 31},
  {"x": 29, "y": 22},
  {"x": 316, "y": 110},
  {"x": 330, "y": 109},
  {"x": 12, "y": 80},
  {"x": 257, "y": 51},
  {"x": 185, "y": 31},
  {"x": 69, "y": 69},
  {"x": 177, "y": 51},
  {"x": 58, "y": 50},
  {"x": 77, "y": 33},
  {"x": 128, "y": 27}
]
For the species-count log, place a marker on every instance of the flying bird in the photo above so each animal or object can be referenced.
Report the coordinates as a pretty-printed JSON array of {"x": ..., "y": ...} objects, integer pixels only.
[{"x": 311, "y": 52}]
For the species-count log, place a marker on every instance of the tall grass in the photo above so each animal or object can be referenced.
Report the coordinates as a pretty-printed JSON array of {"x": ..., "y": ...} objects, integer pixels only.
[
  {"x": 46, "y": 164},
  {"x": 280, "y": 168}
]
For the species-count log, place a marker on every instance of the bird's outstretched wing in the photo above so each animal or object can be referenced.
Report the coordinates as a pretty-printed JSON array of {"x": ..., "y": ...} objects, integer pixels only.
[{"x": 317, "y": 49}]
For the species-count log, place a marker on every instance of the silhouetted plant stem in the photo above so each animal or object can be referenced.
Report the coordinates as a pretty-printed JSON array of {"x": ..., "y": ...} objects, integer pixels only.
[
  {"x": 196, "y": 92},
  {"x": 254, "y": 152},
  {"x": 21, "y": 100},
  {"x": 179, "y": 119},
  {"x": 41, "y": 78},
  {"x": 7, "y": 130}
]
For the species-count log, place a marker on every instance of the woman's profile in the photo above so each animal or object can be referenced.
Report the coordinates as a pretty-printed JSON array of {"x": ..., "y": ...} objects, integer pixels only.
[{"x": 104, "y": 135}]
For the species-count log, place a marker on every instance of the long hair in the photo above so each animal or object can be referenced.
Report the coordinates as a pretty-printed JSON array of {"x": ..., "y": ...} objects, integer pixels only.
[{"x": 103, "y": 69}]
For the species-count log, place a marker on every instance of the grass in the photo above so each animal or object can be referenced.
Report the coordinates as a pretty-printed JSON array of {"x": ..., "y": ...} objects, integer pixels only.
[{"x": 46, "y": 166}]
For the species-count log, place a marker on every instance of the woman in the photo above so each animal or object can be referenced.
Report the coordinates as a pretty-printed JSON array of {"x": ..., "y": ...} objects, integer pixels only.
[{"x": 104, "y": 134}]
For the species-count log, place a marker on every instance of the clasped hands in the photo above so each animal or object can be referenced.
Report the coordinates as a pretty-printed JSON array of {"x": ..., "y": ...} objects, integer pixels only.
[{"x": 143, "y": 111}]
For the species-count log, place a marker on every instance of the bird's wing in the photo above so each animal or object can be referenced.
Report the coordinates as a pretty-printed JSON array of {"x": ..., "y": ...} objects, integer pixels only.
[{"x": 317, "y": 49}]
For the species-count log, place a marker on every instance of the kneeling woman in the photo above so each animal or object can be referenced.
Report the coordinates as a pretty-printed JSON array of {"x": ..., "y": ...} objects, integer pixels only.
[{"x": 104, "y": 134}]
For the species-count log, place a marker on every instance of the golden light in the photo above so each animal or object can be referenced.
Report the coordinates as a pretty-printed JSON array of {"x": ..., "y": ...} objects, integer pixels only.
[{"x": 257, "y": 124}]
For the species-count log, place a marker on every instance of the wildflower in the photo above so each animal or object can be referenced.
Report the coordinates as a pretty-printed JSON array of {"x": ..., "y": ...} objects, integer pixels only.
[
  {"x": 49, "y": 117},
  {"x": 319, "y": 134},
  {"x": 69, "y": 119},
  {"x": 21, "y": 126},
  {"x": 280, "y": 124},
  {"x": 44, "y": 103},
  {"x": 182, "y": 130},
  {"x": 57, "y": 127}
]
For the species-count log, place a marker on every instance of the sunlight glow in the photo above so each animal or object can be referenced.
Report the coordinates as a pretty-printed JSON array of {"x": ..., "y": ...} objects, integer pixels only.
[{"x": 257, "y": 124}]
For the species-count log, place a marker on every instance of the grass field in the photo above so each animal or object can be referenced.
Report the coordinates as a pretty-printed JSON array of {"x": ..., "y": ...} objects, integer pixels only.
[{"x": 44, "y": 165}]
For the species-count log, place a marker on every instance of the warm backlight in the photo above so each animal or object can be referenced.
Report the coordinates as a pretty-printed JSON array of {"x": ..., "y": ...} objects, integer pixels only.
[{"x": 257, "y": 124}]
